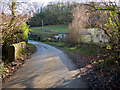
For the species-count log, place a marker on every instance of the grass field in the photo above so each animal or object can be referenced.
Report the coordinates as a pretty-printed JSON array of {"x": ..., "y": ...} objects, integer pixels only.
[{"x": 54, "y": 28}]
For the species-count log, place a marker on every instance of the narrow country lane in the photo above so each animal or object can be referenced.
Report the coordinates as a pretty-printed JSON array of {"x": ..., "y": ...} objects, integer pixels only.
[{"x": 48, "y": 68}]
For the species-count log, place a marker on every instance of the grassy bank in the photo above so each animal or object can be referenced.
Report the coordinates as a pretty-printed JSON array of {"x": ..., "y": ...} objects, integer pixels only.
[
  {"x": 87, "y": 50},
  {"x": 54, "y": 28}
]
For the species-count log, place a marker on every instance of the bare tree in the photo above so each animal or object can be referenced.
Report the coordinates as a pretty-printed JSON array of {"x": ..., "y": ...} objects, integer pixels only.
[
  {"x": 12, "y": 21},
  {"x": 79, "y": 23}
]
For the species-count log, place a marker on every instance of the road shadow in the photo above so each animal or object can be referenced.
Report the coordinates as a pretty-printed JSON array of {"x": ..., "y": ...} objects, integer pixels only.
[
  {"x": 27, "y": 82},
  {"x": 73, "y": 82}
]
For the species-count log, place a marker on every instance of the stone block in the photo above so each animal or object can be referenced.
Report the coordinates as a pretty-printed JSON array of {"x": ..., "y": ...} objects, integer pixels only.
[{"x": 15, "y": 49}]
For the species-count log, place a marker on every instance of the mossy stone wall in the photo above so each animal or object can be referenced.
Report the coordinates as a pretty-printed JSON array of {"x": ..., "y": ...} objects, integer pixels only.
[{"x": 15, "y": 50}]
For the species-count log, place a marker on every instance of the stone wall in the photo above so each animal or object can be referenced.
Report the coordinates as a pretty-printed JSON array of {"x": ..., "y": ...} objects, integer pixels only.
[{"x": 15, "y": 50}]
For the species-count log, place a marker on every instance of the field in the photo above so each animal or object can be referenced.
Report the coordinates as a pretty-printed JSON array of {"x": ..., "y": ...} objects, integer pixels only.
[{"x": 51, "y": 29}]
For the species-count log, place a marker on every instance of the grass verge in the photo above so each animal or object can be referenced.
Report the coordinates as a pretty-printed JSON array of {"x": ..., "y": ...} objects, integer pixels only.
[{"x": 87, "y": 50}]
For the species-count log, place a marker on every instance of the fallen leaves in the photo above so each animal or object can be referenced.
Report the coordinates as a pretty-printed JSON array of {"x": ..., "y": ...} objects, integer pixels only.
[{"x": 12, "y": 67}]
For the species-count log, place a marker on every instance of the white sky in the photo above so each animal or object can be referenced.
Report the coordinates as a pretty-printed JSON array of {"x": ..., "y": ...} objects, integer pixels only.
[
  {"x": 43, "y": 1},
  {"x": 47, "y": 1}
]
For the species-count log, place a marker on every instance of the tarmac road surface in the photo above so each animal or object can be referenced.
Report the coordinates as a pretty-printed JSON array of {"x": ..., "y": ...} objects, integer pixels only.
[{"x": 49, "y": 67}]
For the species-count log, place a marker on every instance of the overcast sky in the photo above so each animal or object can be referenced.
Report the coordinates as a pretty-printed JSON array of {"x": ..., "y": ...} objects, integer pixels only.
[
  {"x": 43, "y": 1},
  {"x": 47, "y": 1}
]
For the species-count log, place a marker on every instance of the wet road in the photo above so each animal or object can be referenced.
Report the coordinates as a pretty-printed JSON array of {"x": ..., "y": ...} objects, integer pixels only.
[{"x": 48, "y": 68}]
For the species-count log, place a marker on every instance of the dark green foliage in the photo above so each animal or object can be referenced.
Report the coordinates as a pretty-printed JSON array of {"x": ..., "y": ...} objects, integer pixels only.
[{"x": 53, "y": 14}]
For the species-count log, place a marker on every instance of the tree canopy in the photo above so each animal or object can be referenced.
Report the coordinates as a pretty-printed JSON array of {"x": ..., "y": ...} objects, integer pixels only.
[{"x": 52, "y": 14}]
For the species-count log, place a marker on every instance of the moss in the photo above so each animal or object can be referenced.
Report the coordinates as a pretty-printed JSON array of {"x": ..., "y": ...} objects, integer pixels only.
[{"x": 18, "y": 48}]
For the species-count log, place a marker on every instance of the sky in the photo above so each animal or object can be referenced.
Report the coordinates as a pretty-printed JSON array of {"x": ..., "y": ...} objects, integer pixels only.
[
  {"x": 43, "y": 1},
  {"x": 47, "y": 1}
]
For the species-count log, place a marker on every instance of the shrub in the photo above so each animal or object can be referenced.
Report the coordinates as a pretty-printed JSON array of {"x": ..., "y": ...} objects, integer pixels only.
[{"x": 24, "y": 29}]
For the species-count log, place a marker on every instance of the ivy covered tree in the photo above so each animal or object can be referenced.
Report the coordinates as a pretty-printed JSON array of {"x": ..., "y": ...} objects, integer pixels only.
[
  {"x": 13, "y": 26},
  {"x": 110, "y": 14},
  {"x": 12, "y": 23},
  {"x": 105, "y": 16},
  {"x": 111, "y": 26}
]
